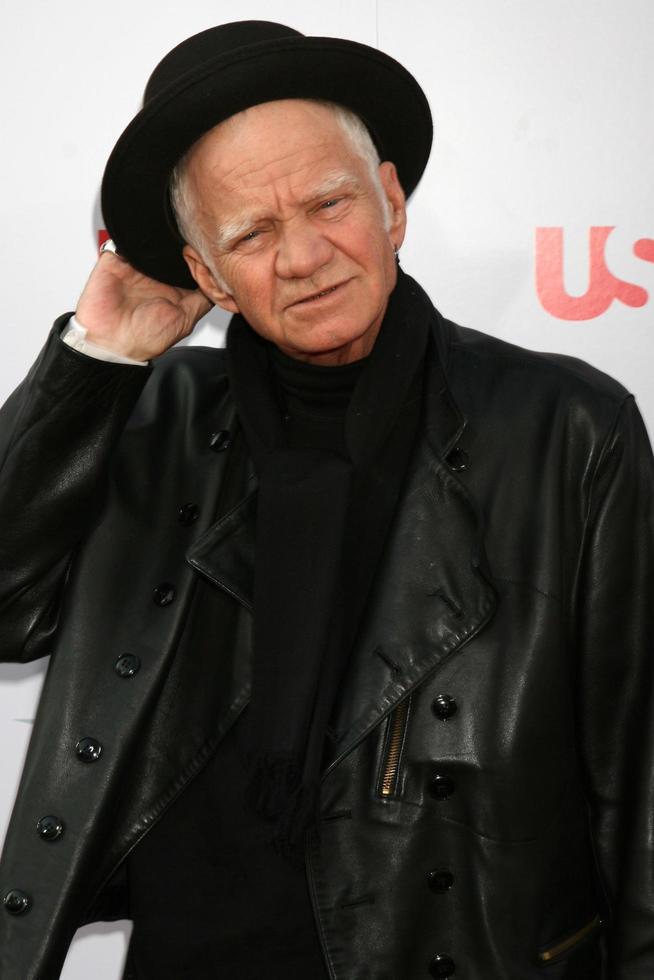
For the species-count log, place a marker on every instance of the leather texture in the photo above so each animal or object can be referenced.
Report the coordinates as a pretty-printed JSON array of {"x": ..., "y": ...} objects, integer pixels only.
[{"x": 519, "y": 586}]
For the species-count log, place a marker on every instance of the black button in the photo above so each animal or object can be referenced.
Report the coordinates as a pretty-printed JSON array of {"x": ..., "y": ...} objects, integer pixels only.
[
  {"x": 440, "y": 880},
  {"x": 444, "y": 706},
  {"x": 441, "y": 786},
  {"x": 442, "y": 966},
  {"x": 457, "y": 459},
  {"x": 17, "y": 902},
  {"x": 88, "y": 749},
  {"x": 127, "y": 665},
  {"x": 220, "y": 440},
  {"x": 164, "y": 594},
  {"x": 50, "y": 828},
  {"x": 188, "y": 514}
]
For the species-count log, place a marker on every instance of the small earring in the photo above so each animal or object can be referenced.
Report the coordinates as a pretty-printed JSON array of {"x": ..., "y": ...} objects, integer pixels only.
[{"x": 396, "y": 253}]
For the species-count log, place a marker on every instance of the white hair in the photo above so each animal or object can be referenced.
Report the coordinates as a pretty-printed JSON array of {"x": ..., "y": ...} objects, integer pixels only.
[{"x": 183, "y": 202}]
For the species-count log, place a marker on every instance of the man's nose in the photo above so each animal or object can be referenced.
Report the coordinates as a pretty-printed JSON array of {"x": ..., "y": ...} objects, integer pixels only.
[{"x": 302, "y": 250}]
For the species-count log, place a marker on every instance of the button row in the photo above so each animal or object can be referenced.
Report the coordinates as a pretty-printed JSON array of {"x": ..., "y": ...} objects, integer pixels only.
[
  {"x": 51, "y": 828},
  {"x": 442, "y": 786}
]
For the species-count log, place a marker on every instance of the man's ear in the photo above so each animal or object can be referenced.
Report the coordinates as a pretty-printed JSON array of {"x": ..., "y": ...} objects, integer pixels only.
[
  {"x": 396, "y": 201},
  {"x": 214, "y": 290}
]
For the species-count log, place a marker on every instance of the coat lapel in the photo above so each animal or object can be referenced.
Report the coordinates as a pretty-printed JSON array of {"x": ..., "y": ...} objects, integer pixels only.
[
  {"x": 430, "y": 597},
  {"x": 432, "y": 591},
  {"x": 225, "y": 552}
]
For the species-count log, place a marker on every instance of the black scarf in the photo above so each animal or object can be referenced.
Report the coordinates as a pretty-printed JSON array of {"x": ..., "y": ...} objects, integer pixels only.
[{"x": 322, "y": 519}]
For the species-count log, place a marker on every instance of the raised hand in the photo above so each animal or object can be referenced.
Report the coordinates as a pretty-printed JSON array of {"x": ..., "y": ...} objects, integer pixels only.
[{"x": 133, "y": 315}]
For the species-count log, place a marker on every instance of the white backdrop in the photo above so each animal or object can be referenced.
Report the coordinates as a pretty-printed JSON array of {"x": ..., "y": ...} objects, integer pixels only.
[{"x": 544, "y": 142}]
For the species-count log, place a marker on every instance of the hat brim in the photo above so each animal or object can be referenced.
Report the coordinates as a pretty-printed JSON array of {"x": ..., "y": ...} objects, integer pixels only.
[{"x": 135, "y": 201}]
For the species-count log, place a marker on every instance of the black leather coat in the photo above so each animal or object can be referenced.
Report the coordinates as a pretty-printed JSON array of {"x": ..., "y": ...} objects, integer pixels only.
[{"x": 487, "y": 804}]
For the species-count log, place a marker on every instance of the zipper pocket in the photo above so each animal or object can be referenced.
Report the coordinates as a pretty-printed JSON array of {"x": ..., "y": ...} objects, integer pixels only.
[
  {"x": 388, "y": 780},
  {"x": 566, "y": 945}
]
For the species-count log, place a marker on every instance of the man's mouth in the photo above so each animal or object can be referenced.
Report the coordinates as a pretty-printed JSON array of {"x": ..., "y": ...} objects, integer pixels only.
[{"x": 319, "y": 295}]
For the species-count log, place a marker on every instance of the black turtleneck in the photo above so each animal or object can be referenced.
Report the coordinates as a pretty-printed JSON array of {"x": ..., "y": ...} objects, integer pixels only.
[
  {"x": 314, "y": 400},
  {"x": 209, "y": 895}
]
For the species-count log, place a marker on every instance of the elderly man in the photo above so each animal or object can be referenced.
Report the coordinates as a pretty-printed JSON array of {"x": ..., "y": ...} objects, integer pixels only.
[{"x": 351, "y": 666}]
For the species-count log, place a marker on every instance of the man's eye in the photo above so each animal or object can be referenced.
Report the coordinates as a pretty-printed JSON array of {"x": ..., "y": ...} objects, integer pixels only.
[
  {"x": 331, "y": 202},
  {"x": 251, "y": 235}
]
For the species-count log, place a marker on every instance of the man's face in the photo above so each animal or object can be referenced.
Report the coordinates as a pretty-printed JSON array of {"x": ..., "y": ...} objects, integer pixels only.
[{"x": 296, "y": 230}]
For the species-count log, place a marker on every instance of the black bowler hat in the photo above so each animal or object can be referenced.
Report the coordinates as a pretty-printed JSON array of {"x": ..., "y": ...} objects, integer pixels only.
[{"x": 222, "y": 71}]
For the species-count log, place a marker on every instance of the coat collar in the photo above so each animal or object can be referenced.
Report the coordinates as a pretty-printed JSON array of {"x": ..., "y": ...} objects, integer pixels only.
[
  {"x": 225, "y": 552},
  {"x": 431, "y": 594}
]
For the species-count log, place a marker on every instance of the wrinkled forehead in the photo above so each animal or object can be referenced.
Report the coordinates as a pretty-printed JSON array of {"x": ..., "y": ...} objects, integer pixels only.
[{"x": 291, "y": 139}]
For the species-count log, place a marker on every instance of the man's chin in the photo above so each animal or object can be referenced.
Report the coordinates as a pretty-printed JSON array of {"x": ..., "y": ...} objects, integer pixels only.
[{"x": 330, "y": 348}]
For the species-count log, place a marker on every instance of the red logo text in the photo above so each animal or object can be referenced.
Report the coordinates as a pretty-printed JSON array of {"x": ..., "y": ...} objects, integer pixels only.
[{"x": 603, "y": 286}]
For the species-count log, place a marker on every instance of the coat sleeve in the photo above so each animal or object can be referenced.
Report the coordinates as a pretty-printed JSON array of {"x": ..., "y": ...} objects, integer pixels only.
[
  {"x": 57, "y": 434},
  {"x": 615, "y": 635}
]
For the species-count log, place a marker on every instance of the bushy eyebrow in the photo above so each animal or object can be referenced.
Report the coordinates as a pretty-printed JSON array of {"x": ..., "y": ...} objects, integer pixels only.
[
  {"x": 332, "y": 183},
  {"x": 237, "y": 227}
]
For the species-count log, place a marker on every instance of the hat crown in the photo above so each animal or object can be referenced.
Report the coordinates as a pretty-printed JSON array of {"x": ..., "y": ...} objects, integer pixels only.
[{"x": 208, "y": 45}]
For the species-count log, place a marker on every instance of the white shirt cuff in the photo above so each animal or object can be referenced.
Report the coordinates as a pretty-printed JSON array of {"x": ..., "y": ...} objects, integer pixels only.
[{"x": 74, "y": 334}]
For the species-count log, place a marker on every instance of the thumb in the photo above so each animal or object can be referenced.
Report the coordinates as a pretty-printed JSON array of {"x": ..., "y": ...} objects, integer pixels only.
[{"x": 195, "y": 305}]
